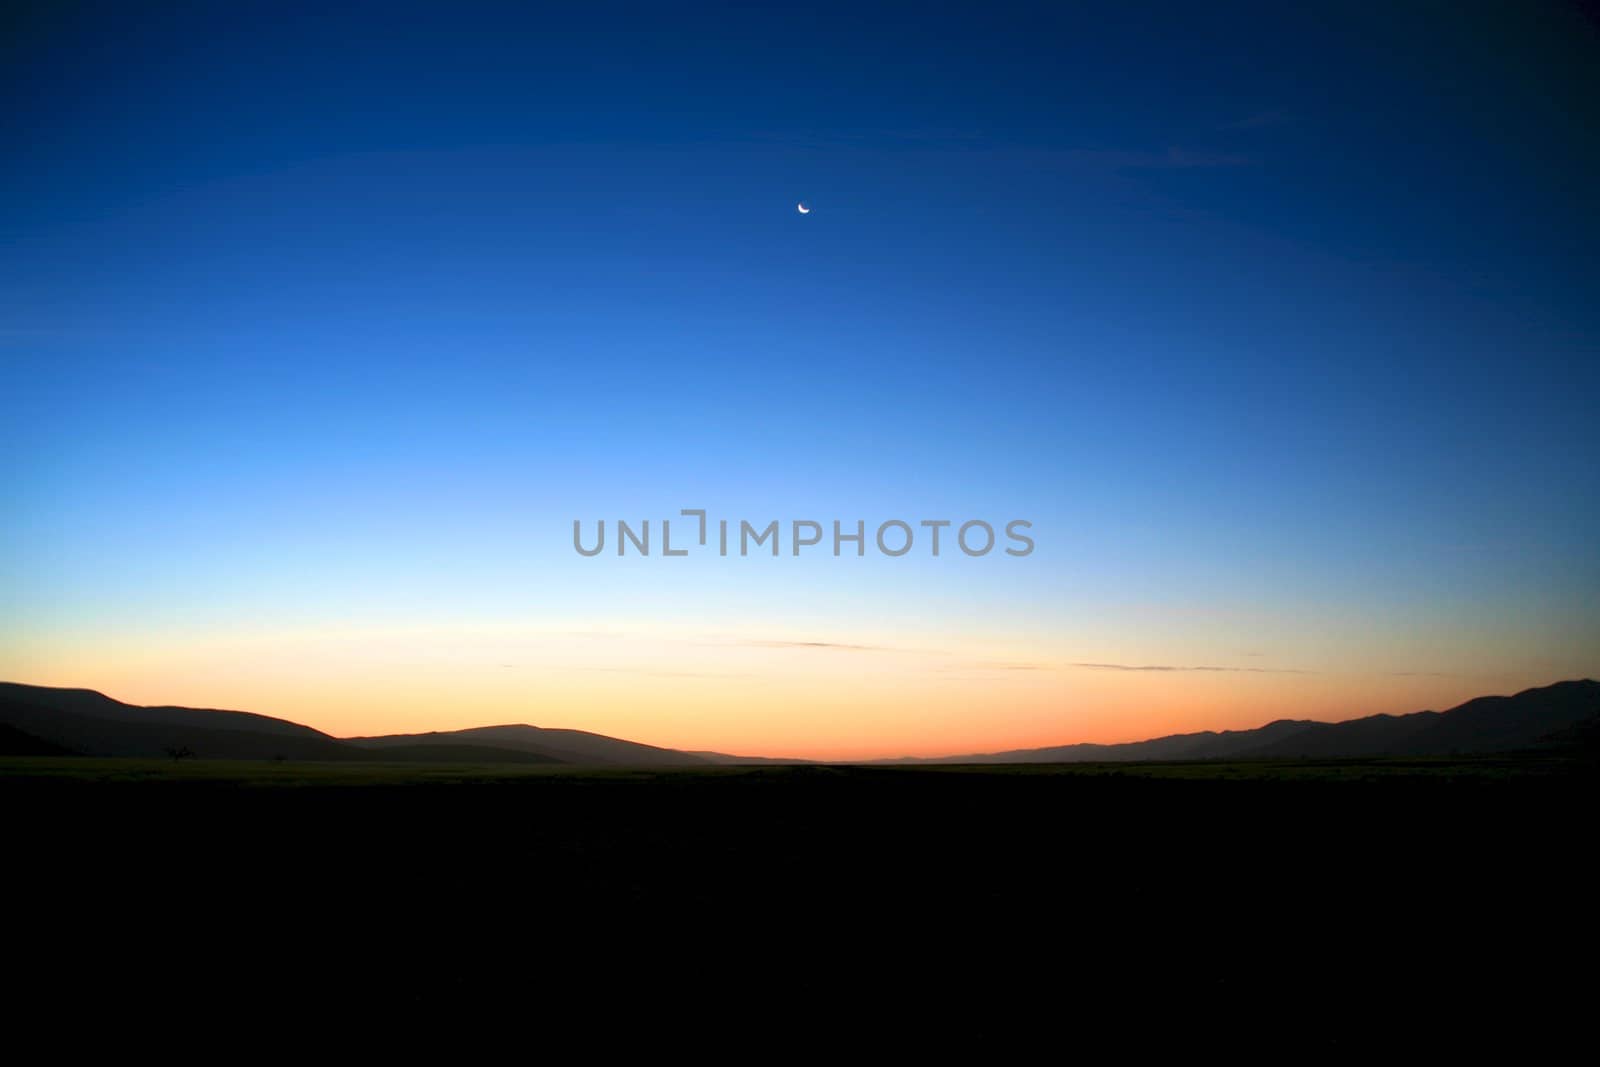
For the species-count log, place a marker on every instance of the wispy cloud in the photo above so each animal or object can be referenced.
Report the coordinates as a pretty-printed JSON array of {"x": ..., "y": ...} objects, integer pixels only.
[
  {"x": 839, "y": 646},
  {"x": 1188, "y": 159},
  {"x": 1165, "y": 667},
  {"x": 1275, "y": 117},
  {"x": 983, "y": 667},
  {"x": 655, "y": 672},
  {"x": 1174, "y": 158}
]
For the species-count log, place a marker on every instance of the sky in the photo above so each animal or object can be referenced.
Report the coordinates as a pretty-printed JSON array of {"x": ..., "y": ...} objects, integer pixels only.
[{"x": 320, "y": 328}]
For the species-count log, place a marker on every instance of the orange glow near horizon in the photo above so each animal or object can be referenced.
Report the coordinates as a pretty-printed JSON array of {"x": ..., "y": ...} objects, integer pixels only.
[{"x": 782, "y": 696}]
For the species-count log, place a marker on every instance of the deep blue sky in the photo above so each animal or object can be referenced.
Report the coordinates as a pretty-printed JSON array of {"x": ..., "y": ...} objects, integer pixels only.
[{"x": 310, "y": 314}]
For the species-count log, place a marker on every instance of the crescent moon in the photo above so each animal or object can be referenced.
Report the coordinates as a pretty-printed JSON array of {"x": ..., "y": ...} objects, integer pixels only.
[{"x": 801, "y": 207}]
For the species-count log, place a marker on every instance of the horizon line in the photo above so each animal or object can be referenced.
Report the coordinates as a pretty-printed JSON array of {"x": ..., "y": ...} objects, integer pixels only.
[{"x": 802, "y": 759}]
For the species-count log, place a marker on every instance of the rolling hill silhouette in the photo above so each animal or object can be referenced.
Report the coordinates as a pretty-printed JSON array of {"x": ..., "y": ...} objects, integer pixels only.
[
  {"x": 547, "y": 745},
  {"x": 90, "y": 723},
  {"x": 1553, "y": 717},
  {"x": 36, "y": 720}
]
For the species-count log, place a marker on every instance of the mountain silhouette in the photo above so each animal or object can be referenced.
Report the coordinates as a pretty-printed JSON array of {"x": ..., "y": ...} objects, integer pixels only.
[
  {"x": 551, "y": 745},
  {"x": 1556, "y": 717},
  {"x": 14, "y": 742},
  {"x": 37, "y": 720},
  {"x": 93, "y": 724}
]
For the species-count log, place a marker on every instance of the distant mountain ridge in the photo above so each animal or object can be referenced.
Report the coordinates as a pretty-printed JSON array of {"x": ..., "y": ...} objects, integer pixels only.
[
  {"x": 556, "y": 746},
  {"x": 38, "y": 720},
  {"x": 90, "y": 723},
  {"x": 43, "y": 720},
  {"x": 1545, "y": 718}
]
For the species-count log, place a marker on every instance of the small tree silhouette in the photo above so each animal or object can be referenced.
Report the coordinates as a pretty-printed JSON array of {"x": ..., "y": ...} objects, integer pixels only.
[{"x": 180, "y": 752}]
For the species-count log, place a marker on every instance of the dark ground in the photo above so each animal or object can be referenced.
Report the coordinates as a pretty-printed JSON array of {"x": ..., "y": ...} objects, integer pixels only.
[{"x": 1331, "y": 905}]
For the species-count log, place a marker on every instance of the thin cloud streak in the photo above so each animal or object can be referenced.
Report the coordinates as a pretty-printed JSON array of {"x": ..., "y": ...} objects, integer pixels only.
[
  {"x": 1174, "y": 158},
  {"x": 1258, "y": 120},
  {"x": 989, "y": 668},
  {"x": 652, "y": 672},
  {"x": 835, "y": 645},
  {"x": 1165, "y": 667}
]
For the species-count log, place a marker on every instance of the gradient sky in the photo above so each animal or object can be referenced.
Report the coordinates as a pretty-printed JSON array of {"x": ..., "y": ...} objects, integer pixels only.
[{"x": 317, "y": 331}]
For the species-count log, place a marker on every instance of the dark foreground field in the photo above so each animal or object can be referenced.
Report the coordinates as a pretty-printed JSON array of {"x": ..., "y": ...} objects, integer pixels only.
[{"x": 1325, "y": 904}]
